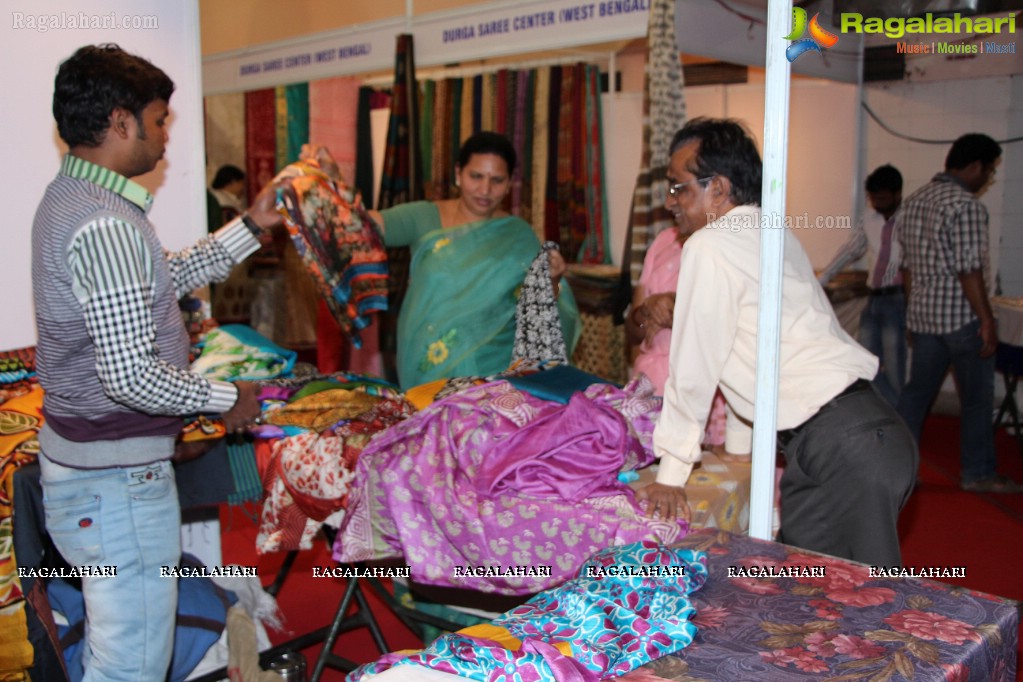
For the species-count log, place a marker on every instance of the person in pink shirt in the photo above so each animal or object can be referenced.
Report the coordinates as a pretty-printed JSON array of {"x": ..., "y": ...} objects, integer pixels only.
[{"x": 648, "y": 327}]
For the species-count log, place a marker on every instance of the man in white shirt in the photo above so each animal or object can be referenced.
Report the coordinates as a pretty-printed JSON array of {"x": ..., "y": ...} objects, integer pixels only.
[
  {"x": 850, "y": 460},
  {"x": 883, "y": 321}
]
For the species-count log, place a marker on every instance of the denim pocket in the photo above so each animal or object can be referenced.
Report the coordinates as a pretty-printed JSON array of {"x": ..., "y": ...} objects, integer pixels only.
[
  {"x": 74, "y": 525},
  {"x": 154, "y": 483}
]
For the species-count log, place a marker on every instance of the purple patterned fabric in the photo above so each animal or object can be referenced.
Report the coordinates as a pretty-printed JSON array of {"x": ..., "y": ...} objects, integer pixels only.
[
  {"x": 572, "y": 452},
  {"x": 844, "y": 625},
  {"x": 419, "y": 491}
]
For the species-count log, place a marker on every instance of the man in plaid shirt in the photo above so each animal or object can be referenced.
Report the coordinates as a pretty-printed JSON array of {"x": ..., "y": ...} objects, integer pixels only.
[{"x": 943, "y": 228}]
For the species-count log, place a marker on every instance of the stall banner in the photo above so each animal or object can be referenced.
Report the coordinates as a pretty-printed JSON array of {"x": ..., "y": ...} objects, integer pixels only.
[
  {"x": 510, "y": 28},
  {"x": 479, "y": 31},
  {"x": 355, "y": 49}
]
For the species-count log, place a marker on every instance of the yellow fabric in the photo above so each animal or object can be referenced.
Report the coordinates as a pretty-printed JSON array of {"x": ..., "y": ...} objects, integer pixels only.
[
  {"x": 19, "y": 422},
  {"x": 323, "y": 409},
  {"x": 505, "y": 638},
  {"x": 423, "y": 394}
]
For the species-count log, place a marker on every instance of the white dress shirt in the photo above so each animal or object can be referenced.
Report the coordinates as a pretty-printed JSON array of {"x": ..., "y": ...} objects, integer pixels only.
[{"x": 714, "y": 339}]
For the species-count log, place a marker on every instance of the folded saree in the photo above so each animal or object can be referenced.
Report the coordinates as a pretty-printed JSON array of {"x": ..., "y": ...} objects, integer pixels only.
[
  {"x": 421, "y": 490},
  {"x": 306, "y": 474}
]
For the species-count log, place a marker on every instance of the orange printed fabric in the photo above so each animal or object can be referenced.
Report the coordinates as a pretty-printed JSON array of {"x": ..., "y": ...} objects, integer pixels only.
[{"x": 340, "y": 245}]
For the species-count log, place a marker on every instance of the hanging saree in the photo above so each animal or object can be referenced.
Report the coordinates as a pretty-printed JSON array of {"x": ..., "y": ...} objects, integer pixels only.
[
  {"x": 458, "y": 317},
  {"x": 339, "y": 245}
]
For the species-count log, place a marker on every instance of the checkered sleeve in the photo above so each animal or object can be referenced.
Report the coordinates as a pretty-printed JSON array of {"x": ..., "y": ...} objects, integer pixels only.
[
  {"x": 211, "y": 258},
  {"x": 969, "y": 237},
  {"x": 112, "y": 273}
]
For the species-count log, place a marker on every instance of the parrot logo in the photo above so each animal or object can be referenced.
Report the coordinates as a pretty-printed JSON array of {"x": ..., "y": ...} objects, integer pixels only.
[{"x": 819, "y": 38}]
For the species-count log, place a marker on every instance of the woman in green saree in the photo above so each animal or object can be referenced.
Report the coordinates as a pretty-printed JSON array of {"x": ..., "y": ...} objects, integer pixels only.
[{"x": 469, "y": 259}]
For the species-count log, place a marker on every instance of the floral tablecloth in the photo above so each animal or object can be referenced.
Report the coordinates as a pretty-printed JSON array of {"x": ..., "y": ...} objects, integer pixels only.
[{"x": 843, "y": 625}]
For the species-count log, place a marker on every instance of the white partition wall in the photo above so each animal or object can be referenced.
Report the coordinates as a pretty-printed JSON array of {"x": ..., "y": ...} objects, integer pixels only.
[{"x": 35, "y": 36}]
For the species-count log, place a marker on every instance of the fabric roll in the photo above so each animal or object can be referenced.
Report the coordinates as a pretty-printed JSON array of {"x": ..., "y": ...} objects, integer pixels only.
[
  {"x": 487, "y": 104},
  {"x": 400, "y": 182},
  {"x": 468, "y": 116},
  {"x": 550, "y": 215},
  {"x": 477, "y": 103},
  {"x": 455, "y": 131},
  {"x": 427, "y": 119},
  {"x": 437, "y": 189},
  {"x": 663, "y": 114},
  {"x": 402, "y": 177},
  {"x": 567, "y": 165},
  {"x": 364, "y": 147},
  {"x": 280, "y": 127},
  {"x": 454, "y": 112},
  {"x": 504, "y": 95},
  {"x": 334, "y": 110},
  {"x": 519, "y": 142},
  {"x": 444, "y": 181},
  {"x": 297, "y": 122},
  {"x": 260, "y": 138},
  {"x": 538, "y": 183},
  {"x": 596, "y": 247}
]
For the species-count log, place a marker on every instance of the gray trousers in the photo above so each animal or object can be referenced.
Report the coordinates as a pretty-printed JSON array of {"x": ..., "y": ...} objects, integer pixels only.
[{"x": 848, "y": 472}]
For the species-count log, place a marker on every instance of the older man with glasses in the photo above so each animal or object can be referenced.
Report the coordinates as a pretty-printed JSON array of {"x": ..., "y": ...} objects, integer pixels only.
[{"x": 850, "y": 460}]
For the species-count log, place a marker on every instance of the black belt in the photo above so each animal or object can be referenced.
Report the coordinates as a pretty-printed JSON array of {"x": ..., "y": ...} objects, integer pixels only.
[
  {"x": 886, "y": 291},
  {"x": 788, "y": 435}
]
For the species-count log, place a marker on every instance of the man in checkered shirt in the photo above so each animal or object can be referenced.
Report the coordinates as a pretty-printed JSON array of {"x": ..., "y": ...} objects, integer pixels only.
[
  {"x": 112, "y": 356},
  {"x": 943, "y": 228}
]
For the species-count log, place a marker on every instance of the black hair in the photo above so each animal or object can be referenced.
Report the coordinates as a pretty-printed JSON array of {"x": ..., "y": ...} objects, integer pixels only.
[
  {"x": 226, "y": 175},
  {"x": 726, "y": 149},
  {"x": 886, "y": 177},
  {"x": 93, "y": 82},
  {"x": 972, "y": 147},
  {"x": 486, "y": 142}
]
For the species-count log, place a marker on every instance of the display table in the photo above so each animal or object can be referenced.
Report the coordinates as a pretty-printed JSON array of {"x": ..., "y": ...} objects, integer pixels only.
[
  {"x": 845, "y": 625},
  {"x": 1009, "y": 312},
  {"x": 849, "y": 295},
  {"x": 842, "y": 625},
  {"x": 1009, "y": 360},
  {"x": 717, "y": 492}
]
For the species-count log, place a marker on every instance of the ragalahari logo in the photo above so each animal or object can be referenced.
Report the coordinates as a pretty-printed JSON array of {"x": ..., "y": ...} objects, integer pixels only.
[{"x": 819, "y": 38}]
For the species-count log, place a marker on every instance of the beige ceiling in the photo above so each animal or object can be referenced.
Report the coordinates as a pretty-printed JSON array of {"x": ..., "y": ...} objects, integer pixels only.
[{"x": 228, "y": 25}]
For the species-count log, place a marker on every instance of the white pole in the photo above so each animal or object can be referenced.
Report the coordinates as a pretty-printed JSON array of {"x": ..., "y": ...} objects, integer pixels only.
[{"x": 772, "y": 248}]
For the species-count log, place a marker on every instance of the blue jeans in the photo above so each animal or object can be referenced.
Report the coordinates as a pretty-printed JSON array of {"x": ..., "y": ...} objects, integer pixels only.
[
  {"x": 975, "y": 380},
  {"x": 127, "y": 518},
  {"x": 883, "y": 333}
]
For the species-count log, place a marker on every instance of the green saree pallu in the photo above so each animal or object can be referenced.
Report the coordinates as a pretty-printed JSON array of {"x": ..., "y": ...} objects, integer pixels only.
[{"x": 458, "y": 317}]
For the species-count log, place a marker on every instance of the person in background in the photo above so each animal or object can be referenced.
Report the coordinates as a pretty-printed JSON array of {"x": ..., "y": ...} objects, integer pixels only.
[
  {"x": 228, "y": 188},
  {"x": 850, "y": 461},
  {"x": 883, "y": 321},
  {"x": 648, "y": 329},
  {"x": 112, "y": 356},
  {"x": 943, "y": 228},
  {"x": 469, "y": 260}
]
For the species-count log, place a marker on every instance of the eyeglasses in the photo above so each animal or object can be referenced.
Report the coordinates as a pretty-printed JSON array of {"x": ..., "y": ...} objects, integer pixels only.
[{"x": 676, "y": 189}]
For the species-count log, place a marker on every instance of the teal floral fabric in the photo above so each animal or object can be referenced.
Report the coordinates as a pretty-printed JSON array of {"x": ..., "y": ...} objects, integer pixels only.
[{"x": 627, "y": 606}]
